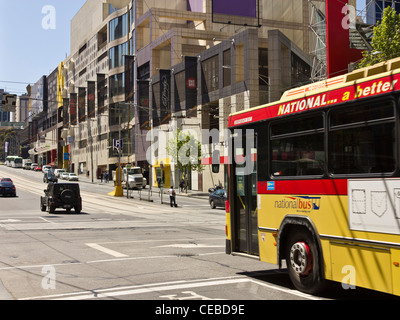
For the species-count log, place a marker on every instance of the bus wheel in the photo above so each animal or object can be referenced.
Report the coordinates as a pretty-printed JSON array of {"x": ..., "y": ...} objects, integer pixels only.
[{"x": 302, "y": 260}]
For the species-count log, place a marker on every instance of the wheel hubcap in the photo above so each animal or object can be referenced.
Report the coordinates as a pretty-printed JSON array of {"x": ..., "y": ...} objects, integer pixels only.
[{"x": 301, "y": 258}]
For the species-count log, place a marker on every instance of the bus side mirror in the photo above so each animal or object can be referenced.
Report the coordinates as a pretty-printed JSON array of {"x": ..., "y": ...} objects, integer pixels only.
[{"x": 215, "y": 161}]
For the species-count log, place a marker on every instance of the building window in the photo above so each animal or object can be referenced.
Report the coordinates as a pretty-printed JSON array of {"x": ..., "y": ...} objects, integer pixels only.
[
  {"x": 117, "y": 84},
  {"x": 117, "y": 55},
  {"x": 118, "y": 27},
  {"x": 227, "y": 67},
  {"x": 132, "y": 48},
  {"x": 132, "y": 13},
  {"x": 301, "y": 72},
  {"x": 210, "y": 77}
]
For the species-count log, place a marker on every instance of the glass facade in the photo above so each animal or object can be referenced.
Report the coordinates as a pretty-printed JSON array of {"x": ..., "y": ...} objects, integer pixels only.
[
  {"x": 119, "y": 27},
  {"x": 375, "y": 9},
  {"x": 116, "y": 55}
]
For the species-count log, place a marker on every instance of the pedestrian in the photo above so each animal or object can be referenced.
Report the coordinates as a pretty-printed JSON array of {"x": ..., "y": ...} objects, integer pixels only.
[
  {"x": 182, "y": 185},
  {"x": 172, "y": 197},
  {"x": 101, "y": 176},
  {"x": 106, "y": 176}
]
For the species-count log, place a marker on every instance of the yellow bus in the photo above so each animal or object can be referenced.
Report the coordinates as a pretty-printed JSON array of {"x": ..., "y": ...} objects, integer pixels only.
[{"x": 314, "y": 181}]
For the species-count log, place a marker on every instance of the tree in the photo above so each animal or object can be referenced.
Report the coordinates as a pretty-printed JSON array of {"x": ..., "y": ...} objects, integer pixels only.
[
  {"x": 386, "y": 40},
  {"x": 185, "y": 152},
  {"x": 7, "y": 134}
]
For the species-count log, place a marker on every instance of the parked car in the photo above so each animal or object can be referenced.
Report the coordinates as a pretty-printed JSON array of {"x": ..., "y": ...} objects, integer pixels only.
[
  {"x": 64, "y": 176},
  {"x": 46, "y": 168},
  {"x": 7, "y": 188},
  {"x": 72, "y": 177},
  {"x": 58, "y": 172},
  {"x": 49, "y": 176},
  {"x": 61, "y": 195},
  {"x": 218, "y": 198},
  {"x": 32, "y": 166},
  {"x": 37, "y": 168}
]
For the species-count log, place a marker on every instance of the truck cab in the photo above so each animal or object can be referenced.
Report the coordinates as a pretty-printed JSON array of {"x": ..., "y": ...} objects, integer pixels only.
[{"x": 133, "y": 176}]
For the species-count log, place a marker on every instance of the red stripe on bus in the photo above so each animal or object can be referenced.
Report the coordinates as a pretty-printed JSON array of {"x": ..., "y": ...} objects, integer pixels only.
[{"x": 304, "y": 187}]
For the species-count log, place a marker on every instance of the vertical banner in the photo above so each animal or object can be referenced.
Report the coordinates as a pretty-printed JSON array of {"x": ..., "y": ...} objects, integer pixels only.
[
  {"x": 155, "y": 90},
  {"x": 165, "y": 96},
  {"x": 65, "y": 115},
  {"x": 82, "y": 104},
  {"x": 129, "y": 78},
  {"x": 91, "y": 96},
  {"x": 191, "y": 86},
  {"x": 101, "y": 92},
  {"x": 73, "y": 99},
  {"x": 143, "y": 104}
]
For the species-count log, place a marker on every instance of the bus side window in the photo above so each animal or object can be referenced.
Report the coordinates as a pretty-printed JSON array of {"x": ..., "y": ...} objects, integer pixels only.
[
  {"x": 361, "y": 143},
  {"x": 297, "y": 147}
]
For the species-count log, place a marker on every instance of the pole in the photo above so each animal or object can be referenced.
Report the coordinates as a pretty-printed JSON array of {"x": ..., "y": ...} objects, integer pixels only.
[
  {"x": 118, "y": 192},
  {"x": 119, "y": 187},
  {"x": 91, "y": 146}
]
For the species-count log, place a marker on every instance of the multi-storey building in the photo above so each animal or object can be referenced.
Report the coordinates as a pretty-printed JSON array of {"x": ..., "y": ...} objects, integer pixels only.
[
  {"x": 137, "y": 65},
  {"x": 4, "y": 115},
  {"x": 374, "y": 9}
]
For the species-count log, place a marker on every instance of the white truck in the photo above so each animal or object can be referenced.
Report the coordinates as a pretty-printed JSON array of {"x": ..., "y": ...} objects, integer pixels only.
[
  {"x": 132, "y": 175},
  {"x": 26, "y": 164}
]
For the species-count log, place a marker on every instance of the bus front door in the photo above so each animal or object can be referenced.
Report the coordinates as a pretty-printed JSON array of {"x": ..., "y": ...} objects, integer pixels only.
[{"x": 245, "y": 195}]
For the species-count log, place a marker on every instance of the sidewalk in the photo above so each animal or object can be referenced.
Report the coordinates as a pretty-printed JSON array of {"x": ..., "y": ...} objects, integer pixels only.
[{"x": 108, "y": 187}]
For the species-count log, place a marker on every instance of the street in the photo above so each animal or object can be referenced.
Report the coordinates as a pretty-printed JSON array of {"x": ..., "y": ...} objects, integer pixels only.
[{"x": 129, "y": 249}]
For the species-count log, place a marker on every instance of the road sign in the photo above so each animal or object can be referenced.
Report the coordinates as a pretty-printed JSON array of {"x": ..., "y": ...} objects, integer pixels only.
[{"x": 117, "y": 144}]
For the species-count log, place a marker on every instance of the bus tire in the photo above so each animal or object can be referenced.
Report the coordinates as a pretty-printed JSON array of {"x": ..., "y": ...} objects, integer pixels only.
[{"x": 303, "y": 262}]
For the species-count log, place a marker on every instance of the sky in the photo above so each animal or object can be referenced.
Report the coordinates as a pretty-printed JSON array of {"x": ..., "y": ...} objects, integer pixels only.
[{"x": 34, "y": 39}]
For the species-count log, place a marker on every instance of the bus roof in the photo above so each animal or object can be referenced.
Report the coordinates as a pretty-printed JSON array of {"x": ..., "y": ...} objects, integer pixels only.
[{"x": 371, "y": 81}]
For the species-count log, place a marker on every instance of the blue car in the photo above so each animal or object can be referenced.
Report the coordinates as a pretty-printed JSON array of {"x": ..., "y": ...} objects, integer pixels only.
[
  {"x": 218, "y": 198},
  {"x": 7, "y": 188}
]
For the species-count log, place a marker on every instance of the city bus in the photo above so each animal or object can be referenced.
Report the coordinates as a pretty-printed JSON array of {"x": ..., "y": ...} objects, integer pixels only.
[
  {"x": 14, "y": 162},
  {"x": 314, "y": 182}
]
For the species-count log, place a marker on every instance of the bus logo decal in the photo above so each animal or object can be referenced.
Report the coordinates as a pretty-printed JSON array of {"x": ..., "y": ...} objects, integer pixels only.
[{"x": 300, "y": 203}]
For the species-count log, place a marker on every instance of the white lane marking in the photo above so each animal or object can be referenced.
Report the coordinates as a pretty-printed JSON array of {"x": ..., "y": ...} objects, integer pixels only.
[
  {"x": 166, "y": 286},
  {"x": 9, "y": 221},
  {"x": 48, "y": 221},
  {"x": 127, "y": 258},
  {"x": 162, "y": 240},
  {"x": 106, "y": 250},
  {"x": 191, "y": 246}
]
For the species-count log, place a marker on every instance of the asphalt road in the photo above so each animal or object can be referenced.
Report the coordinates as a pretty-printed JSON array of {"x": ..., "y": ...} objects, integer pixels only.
[{"x": 128, "y": 249}]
